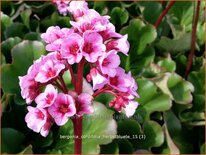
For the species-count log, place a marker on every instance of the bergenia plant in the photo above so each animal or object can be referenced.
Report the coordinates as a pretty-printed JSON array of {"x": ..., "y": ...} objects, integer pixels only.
[{"x": 92, "y": 41}]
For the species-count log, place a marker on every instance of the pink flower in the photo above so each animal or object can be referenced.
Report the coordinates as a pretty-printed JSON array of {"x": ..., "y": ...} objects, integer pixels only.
[
  {"x": 92, "y": 47},
  {"x": 109, "y": 32},
  {"x": 97, "y": 79},
  {"x": 109, "y": 62},
  {"x": 120, "y": 81},
  {"x": 118, "y": 103},
  {"x": 132, "y": 89},
  {"x": 120, "y": 44},
  {"x": 45, "y": 129},
  {"x": 49, "y": 70},
  {"x": 91, "y": 21},
  {"x": 71, "y": 48},
  {"x": 78, "y": 8},
  {"x": 29, "y": 88},
  {"x": 130, "y": 108},
  {"x": 122, "y": 104},
  {"x": 62, "y": 6},
  {"x": 54, "y": 36},
  {"x": 46, "y": 98},
  {"x": 38, "y": 120},
  {"x": 62, "y": 109},
  {"x": 84, "y": 102}
]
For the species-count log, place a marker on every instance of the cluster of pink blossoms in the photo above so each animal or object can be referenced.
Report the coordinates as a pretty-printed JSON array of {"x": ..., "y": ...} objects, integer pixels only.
[{"x": 91, "y": 39}]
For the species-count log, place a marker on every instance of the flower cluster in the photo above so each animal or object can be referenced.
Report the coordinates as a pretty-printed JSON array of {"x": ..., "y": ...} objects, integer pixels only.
[
  {"x": 46, "y": 74},
  {"x": 92, "y": 39}
]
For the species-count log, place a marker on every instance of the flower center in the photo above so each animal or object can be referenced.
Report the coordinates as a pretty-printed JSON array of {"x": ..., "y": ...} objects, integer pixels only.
[
  {"x": 63, "y": 108},
  {"x": 74, "y": 49},
  {"x": 40, "y": 115},
  {"x": 112, "y": 45},
  {"x": 88, "y": 48},
  {"x": 49, "y": 98},
  {"x": 114, "y": 81},
  {"x": 105, "y": 62},
  {"x": 51, "y": 73}
]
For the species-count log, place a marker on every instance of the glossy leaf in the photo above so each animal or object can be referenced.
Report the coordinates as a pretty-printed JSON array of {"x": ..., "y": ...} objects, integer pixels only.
[
  {"x": 140, "y": 34},
  {"x": 30, "y": 50},
  {"x": 119, "y": 16},
  {"x": 12, "y": 141}
]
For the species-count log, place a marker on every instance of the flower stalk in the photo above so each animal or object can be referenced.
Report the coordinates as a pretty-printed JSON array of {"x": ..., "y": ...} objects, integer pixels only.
[{"x": 77, "y": 121}]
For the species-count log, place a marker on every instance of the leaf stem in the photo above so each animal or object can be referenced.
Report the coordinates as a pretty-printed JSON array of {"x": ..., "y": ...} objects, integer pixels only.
[
  {"x": 159, "y": 20},
  {"x": 193, "y": 40}
]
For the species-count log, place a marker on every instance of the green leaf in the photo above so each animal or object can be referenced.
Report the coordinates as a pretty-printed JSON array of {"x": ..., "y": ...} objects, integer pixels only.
[
  {"x": 181, "y": 19},
  {"x": 202, "y": 148},
  {"x": 100, "y": 6},
  {"x": 168, "y": 64},
  {"x": 12, "y": 141},
  {"x": 154, "y": 136},
  {"x": 32, "y": 36},
  {"x": 129, "y": 128},
  {"x": 119, "y": 16},
  {"x": 151, "y": 135},
  {"x": 125, "y": 147},
  {"x": 15, "y": 30},
  {"x": 27, "y": 150},
  {"x": 173, "y": 123},
  {"x": 7, "y": 45},
  {"x": 140, "y": 63},
  {"x": 5, "y": 21},
  {"x": 151, "y": 99},
  {"x": 25, "y": 16},
  {"x": 139, "y": 35},
  {"x": 111, "y": 148},
  {"x": 174, "y": 46},
  {"x": 180, "y": 134},
  {"x": 173, "y": 149},
  {"x": 57, "y": 19},
  {"x": 197, "y": 78},
  {"x": 182, "y": 12},
  {"x": 180, "y": 89},
  {"x": 23, "y": 55},
  {"x": 175, "y": 87},
  {"x": 199, "y": 103},
  {"x": 100, "y": 125},
  {"x": 3, "y": 59},
  {"x": 152, "y": 11},
  {"x": 40, "y": 142}
]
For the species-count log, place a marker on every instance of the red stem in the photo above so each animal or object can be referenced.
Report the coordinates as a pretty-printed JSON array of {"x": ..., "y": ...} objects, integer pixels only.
[
  {"x": 163, "y": 14},
  {"x": 79, "y": 82},
  {"x": 59, "y": 86},
  {"x": 77, "y": 121},
  {"x": 63, "y": 83},
  {"x": 99, "y": 91},
  {"x": 104, "y": 90},
  {"x": 194, "y": 28}
]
